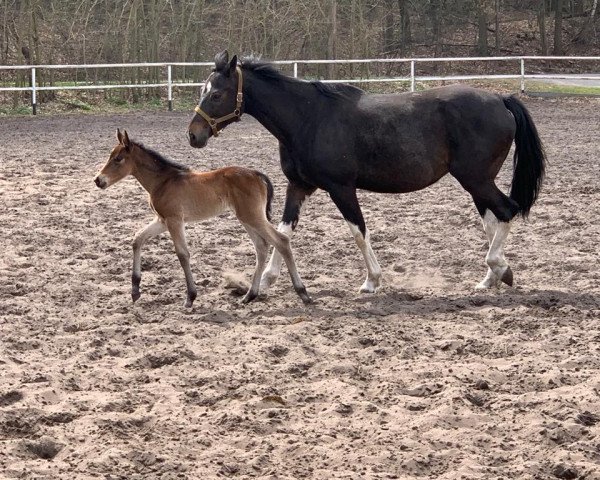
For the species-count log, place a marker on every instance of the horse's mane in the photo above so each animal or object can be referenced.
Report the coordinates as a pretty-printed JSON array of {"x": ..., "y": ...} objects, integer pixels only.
[
  {"x": 161, "y": 161},
  {"x": 269, "y": 72}
]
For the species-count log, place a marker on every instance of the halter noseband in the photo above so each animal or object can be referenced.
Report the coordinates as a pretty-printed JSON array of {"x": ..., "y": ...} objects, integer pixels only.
[{"x": 237, "y": 113}]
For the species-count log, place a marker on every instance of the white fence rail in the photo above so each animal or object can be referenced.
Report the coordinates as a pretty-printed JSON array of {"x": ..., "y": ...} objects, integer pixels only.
[{"x": 169, "y": 84}]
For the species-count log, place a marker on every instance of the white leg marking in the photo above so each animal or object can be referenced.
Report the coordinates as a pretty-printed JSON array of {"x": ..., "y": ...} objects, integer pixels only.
[
  {"x": 269, "y": 276},
  {"x": 490, "y": 222},
  {"x": 156, "y": 227},
  {"x": 498, "y": 232},
  {"x": 373, "y": 279}
]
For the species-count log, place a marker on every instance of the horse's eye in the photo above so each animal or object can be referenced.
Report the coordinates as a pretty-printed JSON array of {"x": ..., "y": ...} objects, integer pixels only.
[
  {"x": 118, "y": 159},
  {"x": 215, "y": 96}
]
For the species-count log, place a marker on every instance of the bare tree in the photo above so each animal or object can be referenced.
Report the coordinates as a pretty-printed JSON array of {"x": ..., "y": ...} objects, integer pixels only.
[{"x": 558, "y": 18}]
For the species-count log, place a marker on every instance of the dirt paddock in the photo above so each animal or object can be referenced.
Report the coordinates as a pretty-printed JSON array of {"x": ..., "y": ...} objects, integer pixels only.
[{"x": 427, "y": 378}]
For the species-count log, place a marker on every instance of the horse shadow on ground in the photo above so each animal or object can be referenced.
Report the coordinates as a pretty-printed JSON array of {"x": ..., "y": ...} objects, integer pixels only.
[{"x": 399, "y": 302}]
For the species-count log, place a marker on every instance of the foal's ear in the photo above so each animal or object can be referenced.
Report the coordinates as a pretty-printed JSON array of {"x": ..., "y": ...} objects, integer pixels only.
[
  {"x": 233, "y": 64},
  {"x": 119, "y": 136},
  {"x": 221, "y": 61},
  {"x": 125, "y": 139}
]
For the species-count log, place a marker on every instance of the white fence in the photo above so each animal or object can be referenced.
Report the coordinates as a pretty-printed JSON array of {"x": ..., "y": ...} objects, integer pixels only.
[{"x": 169, "y": 84}]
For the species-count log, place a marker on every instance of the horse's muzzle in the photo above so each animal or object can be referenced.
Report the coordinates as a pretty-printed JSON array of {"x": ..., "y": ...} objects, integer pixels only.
[{"x": 199, "y": 139}]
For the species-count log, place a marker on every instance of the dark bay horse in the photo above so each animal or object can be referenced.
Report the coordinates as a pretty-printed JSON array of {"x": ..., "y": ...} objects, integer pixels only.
[
  {"x": 179, "y": 195},
  {"x": 340, "y": 138}
]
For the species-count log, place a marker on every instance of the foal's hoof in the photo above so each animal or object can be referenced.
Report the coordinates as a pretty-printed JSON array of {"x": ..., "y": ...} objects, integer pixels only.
[
  {"x": 249, "y": 297},
  {"x": 507, "y": 277},
  {"x": 135, "y": 295},
  {"x": 188, "y": 303},
  {"x": 306, "y": 299},
  {"x": 304, "y": 296}
]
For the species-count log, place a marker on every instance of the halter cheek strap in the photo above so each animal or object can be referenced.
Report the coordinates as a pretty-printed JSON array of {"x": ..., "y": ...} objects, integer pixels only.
[{"x": 237, "y": 113}]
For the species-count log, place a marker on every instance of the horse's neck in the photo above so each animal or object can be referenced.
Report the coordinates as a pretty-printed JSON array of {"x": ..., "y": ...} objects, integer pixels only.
[
  {"x": 146, "y": 173},
  {"x": 280, "y": 110}
]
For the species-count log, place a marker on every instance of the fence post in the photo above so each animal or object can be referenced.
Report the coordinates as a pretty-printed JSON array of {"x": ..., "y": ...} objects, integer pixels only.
[
  {"x": 169, "y": 88},
  {"x": 33, "y": 93},
  {"x": 522, "y": 75},
  {"x": 412, "y": 75},
  {"x": 295, "y": 69}
]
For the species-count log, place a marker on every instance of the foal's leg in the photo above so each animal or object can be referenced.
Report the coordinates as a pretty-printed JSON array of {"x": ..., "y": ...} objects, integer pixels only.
[
  {"x": 262, "y": 250},
  {"x": 177, "y": 231},
  {"x": 281, "y": 243},
  {"x": 295, "y": 196},
  {"x": 346, "y": 201},
  {"x": 156, "y": 227}
]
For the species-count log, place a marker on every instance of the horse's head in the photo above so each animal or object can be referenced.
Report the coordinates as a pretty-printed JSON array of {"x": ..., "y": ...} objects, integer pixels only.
[
  {"x": 120, "y": 163},
  {"x": 220, "y": 101}
]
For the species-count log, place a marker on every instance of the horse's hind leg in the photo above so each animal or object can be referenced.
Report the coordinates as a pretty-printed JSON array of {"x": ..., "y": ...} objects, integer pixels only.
[
  {"x": 262, "y": 249},
  {"x": 497, "y": 210},
  {"x": 156, "y": 227},
  {"x": 177, "y": 231}
]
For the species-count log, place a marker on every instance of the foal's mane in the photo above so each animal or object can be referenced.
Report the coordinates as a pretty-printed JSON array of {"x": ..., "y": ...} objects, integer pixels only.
[
  {"x": 160, "y": 161},
  {"x": 269, "y": 72}
]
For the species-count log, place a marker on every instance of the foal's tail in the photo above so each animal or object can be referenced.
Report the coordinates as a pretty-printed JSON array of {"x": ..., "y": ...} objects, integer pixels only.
[
  {"x": 269, "y": 185},
  {"x": 529, "y": 162}
]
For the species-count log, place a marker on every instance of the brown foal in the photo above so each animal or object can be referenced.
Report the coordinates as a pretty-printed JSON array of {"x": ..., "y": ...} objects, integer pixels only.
[{"x": 179, "y": 195}]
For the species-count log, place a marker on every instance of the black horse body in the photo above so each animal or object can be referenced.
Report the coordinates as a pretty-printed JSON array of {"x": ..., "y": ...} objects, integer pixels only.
[{"x": 339, "y": 138}]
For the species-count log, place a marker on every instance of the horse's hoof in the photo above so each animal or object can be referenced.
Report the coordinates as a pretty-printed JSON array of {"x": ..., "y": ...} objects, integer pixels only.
[
  {"x": 507, "y": 277},
  {"x": 135, "y": 296},
  {"x": 368, "y": 287},
  {"x": 483, "y": 285}
]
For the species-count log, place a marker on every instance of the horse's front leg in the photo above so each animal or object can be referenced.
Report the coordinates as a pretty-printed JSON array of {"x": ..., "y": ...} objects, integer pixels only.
[
  {"x": 177, "y": 231},
  {"x": 154, "y": 228},
  {"x": 345, "y": 199},
  {"x": 295, "y": 196}
]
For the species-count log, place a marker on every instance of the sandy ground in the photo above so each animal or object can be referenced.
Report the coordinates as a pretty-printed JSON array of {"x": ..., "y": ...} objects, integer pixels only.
[{"x": 425, "y": 379}]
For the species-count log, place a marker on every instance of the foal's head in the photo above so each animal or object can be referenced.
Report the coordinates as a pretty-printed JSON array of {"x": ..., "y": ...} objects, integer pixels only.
[
  {"x": 218, "y": 100},
  {"x": 120, "y": 163}
]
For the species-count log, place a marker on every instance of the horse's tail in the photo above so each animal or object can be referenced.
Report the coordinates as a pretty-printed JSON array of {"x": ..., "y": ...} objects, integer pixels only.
[
  {"x": 529, "y": 162},
  {"x": 269, "y": 185}
]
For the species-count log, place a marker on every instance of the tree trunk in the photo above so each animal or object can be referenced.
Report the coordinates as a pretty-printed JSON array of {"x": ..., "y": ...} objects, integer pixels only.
[
  {"x": 497, "y": 25},
  {"x": 388, "y": 27},
  {"x": 541, "y": 17},
  {"x": 405, "y": 33},
  {"x": 587, "y": 33},
  {"x": 558, "y": 14},
  {"x": 482, "y": 39},
  {"x": 331, "y": 43},
  {"x": 434, "y": 11}
]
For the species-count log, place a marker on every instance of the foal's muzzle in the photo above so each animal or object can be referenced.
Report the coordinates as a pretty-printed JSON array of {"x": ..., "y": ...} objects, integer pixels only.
[{"x": 100, "y": 182}]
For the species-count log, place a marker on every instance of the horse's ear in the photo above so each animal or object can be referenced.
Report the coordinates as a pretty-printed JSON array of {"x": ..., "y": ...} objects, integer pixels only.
[
  {"x": 119, "y": 136},
  {"x": 233, "y": 64},
  {"x": 125, "y": 139},
  {"x": 221, "y": 61}
]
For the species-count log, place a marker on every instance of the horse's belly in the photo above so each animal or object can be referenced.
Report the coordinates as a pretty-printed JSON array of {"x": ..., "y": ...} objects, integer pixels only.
[{"x": 402, "y": 176}]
